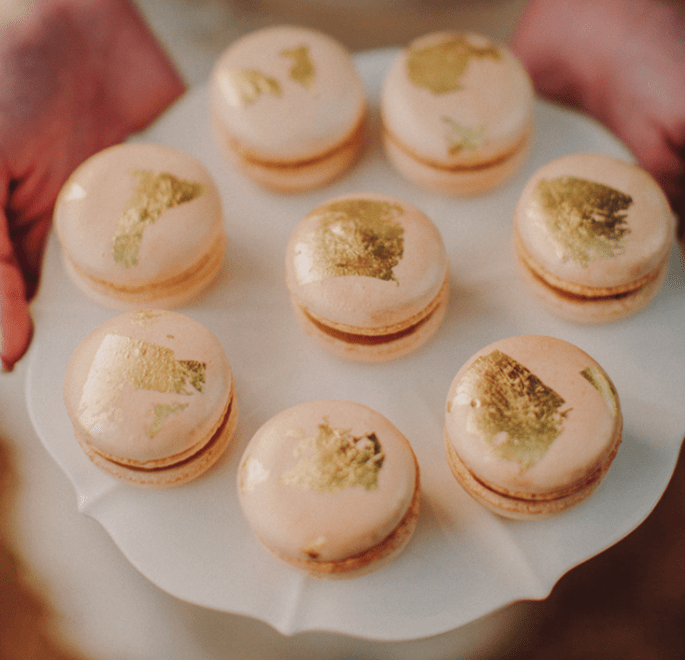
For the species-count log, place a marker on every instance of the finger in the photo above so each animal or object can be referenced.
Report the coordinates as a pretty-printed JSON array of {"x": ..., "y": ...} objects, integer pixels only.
[{"x": 15, "y": 322}]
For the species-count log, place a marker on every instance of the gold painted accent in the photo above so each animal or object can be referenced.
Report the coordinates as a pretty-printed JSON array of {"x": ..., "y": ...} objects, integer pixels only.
[
  {"x": 440, "y": 67},
  {"x": 586, "y": 220},
  {"x": 303, "y": 70},
  {"x": 598, "y": 378},
  {"x": 334, "y": 460},
  {"x": 354, "y": 237},
  {"x": 462, "y": 138},
  {"x": 252, "y": 473},
  {"x": 313, "y": 550},
  {"x": 244, "y": 87},
  {"x": 145, "y": 317},
  {"x": 512, "y": 411},
  {"x": 154, "y": 193},
  {"x": 161, "y": 412}
]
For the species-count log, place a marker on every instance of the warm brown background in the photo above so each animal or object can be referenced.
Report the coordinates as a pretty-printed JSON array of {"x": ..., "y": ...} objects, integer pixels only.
[{"x": 628, "y": 603}]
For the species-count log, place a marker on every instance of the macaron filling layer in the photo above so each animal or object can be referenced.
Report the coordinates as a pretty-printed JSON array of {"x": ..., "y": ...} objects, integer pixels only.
[
  {"x": 378, "y": 336},
  {"x": 349, "y": 143},
  {"x": 457, "y": 168},
  {"x": 581, "y": 292},
  {"x": 198, "y": 274},
  {"x": 178, "y": 459}
]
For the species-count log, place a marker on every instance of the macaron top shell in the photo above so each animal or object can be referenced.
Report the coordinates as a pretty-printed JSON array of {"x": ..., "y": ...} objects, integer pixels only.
[
  {"x": 146, "y": 387},
  {"x": 366, "y": 260},
  {"x": 457, "y": 99},
  {"x": 287, "y": 94},
  {"x": 137, "y": 213},
  {"x": 532, "y": 415},
  {"x": 594, "y": 220},
  {"x": 326, "y": 480}
]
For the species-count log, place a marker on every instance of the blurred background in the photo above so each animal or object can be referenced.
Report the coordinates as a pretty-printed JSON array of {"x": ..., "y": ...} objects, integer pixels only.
[{"x": 628, "y": 602}]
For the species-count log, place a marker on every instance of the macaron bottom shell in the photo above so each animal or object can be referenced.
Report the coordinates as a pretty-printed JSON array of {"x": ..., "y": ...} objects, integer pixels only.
[
  {"x": 366, "y": 562},
  {"x": 165, "y": 294},
  {"x": 520, "y": 507},
  {"x": 377, "y": 347},
  {"x": 456, "y": 181},
  {"x": 188, "y": 468},
  {"x": 592, "y": 306},
  {"x": 296, "y": 176}
]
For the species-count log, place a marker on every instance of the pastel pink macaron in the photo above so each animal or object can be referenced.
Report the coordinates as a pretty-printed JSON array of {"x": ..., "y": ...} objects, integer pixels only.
[
  {"x": 457, "y": 113},
  {"x": 288, "y": 106},
  {"x": 330, "y": 487},
  {"x": 592, "y": 237},
  {"x": 151, "y": 397},
  {"x": 368, "y": 276},
  {"x": 141, "y": 224},
  {"x": 532, "y": 425}
]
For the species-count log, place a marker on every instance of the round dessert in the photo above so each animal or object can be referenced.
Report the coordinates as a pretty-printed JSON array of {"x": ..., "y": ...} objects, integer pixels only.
[
  {"x": 457, "y": 113},
  {"x": 532, "y": 425},
  {"x": 368, "y": 276},
  {"x": 140, "y": 225},
  {"x": 330, "y": 487},
  {"x": 288, "y": 106},
  {"x": 592, "y": 237},
  {"x": 150, "y": 395}
]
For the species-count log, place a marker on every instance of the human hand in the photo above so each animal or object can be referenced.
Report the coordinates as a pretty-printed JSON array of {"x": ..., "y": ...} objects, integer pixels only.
[
  {"x": 623, "y": 62},
  {"x": 77, "y": 76}
]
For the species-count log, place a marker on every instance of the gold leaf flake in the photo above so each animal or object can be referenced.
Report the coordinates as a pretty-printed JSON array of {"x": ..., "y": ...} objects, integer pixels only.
[
  {"x": 154, "y": 193},
  {"x": 354, "y": 237},
  {"x": 245, "y": 86},
  {"x": 462, "y": 138},
  {"x": 334, "y": 460},
  {"x": 161, "y": 412},
  {"x": 145, "y": 317},
  {"x": 123, "y": 361},
  {"x": 302, "y": 70},
  {"x": 586, "y": 220},
  {"x": 602, "y": 383},
  {"x": 513, "y": 412},
  {"x": 441, "y": 66}
]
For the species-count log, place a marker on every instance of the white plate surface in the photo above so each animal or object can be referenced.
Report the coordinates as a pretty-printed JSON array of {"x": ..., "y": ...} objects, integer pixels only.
[{"x": 463, "y": 562}]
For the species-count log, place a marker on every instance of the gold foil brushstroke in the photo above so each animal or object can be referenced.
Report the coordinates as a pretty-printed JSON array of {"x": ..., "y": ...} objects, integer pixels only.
[
  {"x": 512, "y": 411},
  {"x": 160, "y": 413},
  {"x": 243, "y": 87},
  {"x": 440, "y": 67},
  {"x": 354, "y": 237},
  {"x": 302, "y": 70},
  {"x": 334, "y": 459},
  {"x": 586, "y": 220},
  {"x": 602, "y": 383},
  {"x": 463, "y": 138},
  {"x": 154, "y": 193}
]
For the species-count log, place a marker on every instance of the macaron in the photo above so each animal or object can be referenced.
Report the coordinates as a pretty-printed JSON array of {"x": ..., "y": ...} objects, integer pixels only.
[
  {"x": 368, "y": 276},
  {"x": 140, "y": 225},
  {"x": 532, "y": 425},
  {"x": 330, "y": 487},
  {"x": 288, "y": 107},
  {"x": 457, "y": 113},
  {"x": 151, "y": 397},
  {"x": 592, "y": 237}
]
